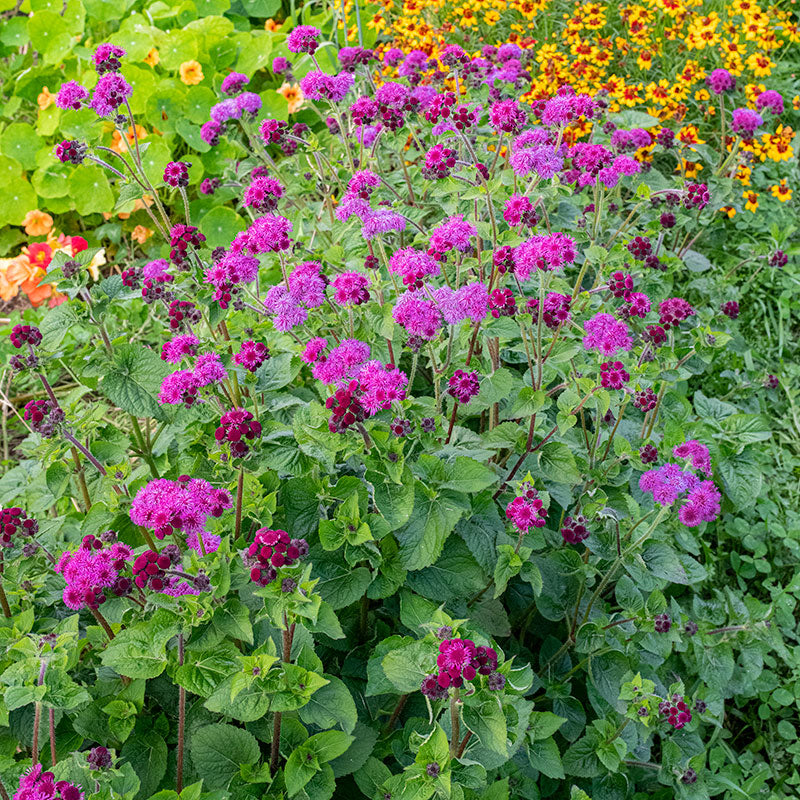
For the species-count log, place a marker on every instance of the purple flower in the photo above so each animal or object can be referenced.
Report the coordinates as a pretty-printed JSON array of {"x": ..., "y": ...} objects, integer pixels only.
[
  {"x": 463, "y": 386},
  {"x": 382, "y": 221},
  {"x": 269, "y": 234},
  {"x": 210, "y": 132},
  {"x": 507, "y": 116},
  {"x": 233, "y": 83},
  {"x": 771, "y": 100},
  {"x": 179, "y": 347},
  {"x": 225, "y": 110},
  {"x": 106, "y": 58},
  {"x": 341, "y": 362},
  {"x": 303, "y": 39},
  {"x": 720, "y": 80},
  {"x": 607, "y": 335},
  {"x": 263, "y": 194},
  {"x": 248, "y": 103},
  {"x": 696, "y": 453},
  {"x": 71, "y": 95},
  {"x": 111, "y": 91},
  {"x": 321, "y": 86},
  {"x": 351, "y": 288},
  {"x": 549, "y": 252},
  {"x": 745, "y": 121},
  {"x": 454, "y": 233},
  {"x": 393, "y": 56},
  {"x": 176, "y": 174},
  {"x": 418, "y": 315}
]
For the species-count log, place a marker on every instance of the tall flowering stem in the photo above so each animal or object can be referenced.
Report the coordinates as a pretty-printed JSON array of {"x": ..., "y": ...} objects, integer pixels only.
[
  {"x": 37, "y": 717},
  {"x": 287, "y": 635},
  {"x": 102, "y": 622},
  {"x": 455, "y": 724},
  {"x": 181, "y": 718}
]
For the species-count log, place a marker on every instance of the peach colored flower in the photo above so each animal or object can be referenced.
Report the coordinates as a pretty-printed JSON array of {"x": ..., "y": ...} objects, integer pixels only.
[
  {"x": 140, "y": 234},
  {"x": 120, "y": 145},
  {"x": 13, "y": 273},
  {"x": 191, "y": 73},
  {"x": 45, "y": 99},
  {"x": 294, "y": 96},
  {"x": 152, "y": 58},
  {"x": 37, "y": 223},
  {"x": 271, "y": 25}
]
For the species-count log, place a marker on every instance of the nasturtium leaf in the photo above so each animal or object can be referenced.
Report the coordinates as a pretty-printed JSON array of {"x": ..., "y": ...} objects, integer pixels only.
[{"x": 89, "y": 187}]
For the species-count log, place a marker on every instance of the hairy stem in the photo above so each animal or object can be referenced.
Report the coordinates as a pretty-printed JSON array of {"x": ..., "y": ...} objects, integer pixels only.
[{"x": 181, "y": 720}]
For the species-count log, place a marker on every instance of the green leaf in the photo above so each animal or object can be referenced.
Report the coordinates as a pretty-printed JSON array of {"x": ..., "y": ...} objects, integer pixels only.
[
  {"x": 57, "y": 478},
  {"x": 221, "y": 750},
  {"x": 16, "y": 200},
  {"x": 545, "y": 757},
  {"x": 134, "y": 379},
  {"x": 90, "y": 189},
  {"x": 487, "y": 721},
  {"x": 544, "y": 724},
  {"x": 467, "y": 475},
  {"x": 422, "y": 538},
  {"x": 21, "y": 142},
  {"x": 508, "y": 565},
  {"x": 147, "y": 754},
  {"x": 329, "y": 744},
  {"x": 455, "y": 575},
  {"x": 557, "y": 464},
  {"x": 331, "y": 705},
  {"x": 220, "y": 226},
  {"x": 406, "y": 666}
]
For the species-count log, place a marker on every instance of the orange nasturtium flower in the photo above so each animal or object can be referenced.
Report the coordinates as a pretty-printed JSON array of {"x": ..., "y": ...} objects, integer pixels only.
[
  {"x": 191, "y": 73},
  {"x": 120, "y": 145},
  {"x": 45, "y": 99},
  {"x": 152, "y": 58},
  {"x": 271, "y": 25},
  {"x": 37, "y": 223},
  {"x": 293, "y": 95},
  {"x": 140, "y": 234}
]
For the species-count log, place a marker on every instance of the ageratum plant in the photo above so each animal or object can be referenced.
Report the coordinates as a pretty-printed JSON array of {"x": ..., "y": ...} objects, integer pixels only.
[{"x": 398, "y": 495}]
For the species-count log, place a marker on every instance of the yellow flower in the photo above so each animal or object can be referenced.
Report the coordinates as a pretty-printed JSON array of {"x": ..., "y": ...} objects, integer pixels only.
[
  {"x": 729, "y": 210},
  {"x": 781, "y": 191},
  {"x": 152, "y": 58},
  {"x": 45, "y": 99},
  {"x": 140, "y": 234},
  {"x": 760, "y": 64},
  {"x": 37, "y": 223},
  {"x": 752, "y": 201},
  {"x": 271, "y": 25},
  {"x": 293, "y": 95},
  {"x": 191, "y": 73}
]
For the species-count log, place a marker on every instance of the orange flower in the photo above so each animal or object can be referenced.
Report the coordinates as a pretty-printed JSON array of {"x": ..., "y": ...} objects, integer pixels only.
[
  {"x": 271, "y": 25},
  {"x": 152, "y": 58},
  {"x": 37, "y": 223},
  {"x": 141, "y": 234},
  {"x": 294, "y": 96},
  {"x": 45, "y": 99},
  {"x": 13, "y": 273},
  {"x": 120, "y": 145},
  {"x": 191, "y": 73}
]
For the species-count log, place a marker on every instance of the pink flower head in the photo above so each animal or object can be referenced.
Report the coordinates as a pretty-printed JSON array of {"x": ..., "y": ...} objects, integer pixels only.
[
  {"x": 269, "y": 234},
  {"x": 179, "y": 347},
  {"x": 351, "y": 288},
  {"x": 342, "y": 361},
  {"x": 673, "y": 311},
  {"x": 303, "y": 39},
  {"x": 606, "y": 335},
  {"x": 380, "y": 385},
  {"x": 307, "y": 284},
  {"x": 251, "y": 355},
  {"x": 166, "y": 506},
  {"x": 463, "y": 386},
  {"x": 413, "y": 265},
  {"x": 263, "y": 194},
  {"x": 507, "y": 116},
  {"x": 550, "y": 252},
  {"x": 71, "y": 96},
  {"x": 321, "y": 86},
  {"x": 613, "y": 375},
  {"x": 527, "y": 510},
  {"x": 315, "y": 350},
  {"x": 453, "y": 233},
  {"x": 696, "y": 453},
  {"x": 382, "y": 221},
  {"x": 417, "y": 315}
]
